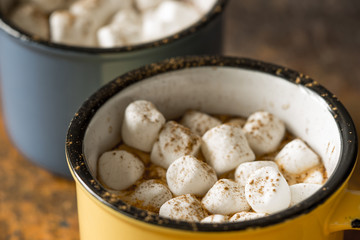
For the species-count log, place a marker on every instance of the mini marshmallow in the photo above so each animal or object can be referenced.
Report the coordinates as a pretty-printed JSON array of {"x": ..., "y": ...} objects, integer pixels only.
[
  {"x": 141, "y": 125},
  {"x": 123, "y": 29},
  {"x": 31, "y": 19},
  {"x": 67, "y": 28},
  {"x": 79, "y": 24},
  {"x": 225, "y": 147},
  {"x": 244, "y": 170},
  {"x": 174, "y": 141},
  {"x": 150, "y": 195},
  {"x": 296, "y": 157},
  {"x": 119, "y": 169},
  {"x": 151, "y": 28},
  {"x": 301, "y": 191},
  {"x": 267, "y": 191},
  {"x": 225, "y": 197},
  {"x": 61, "y": 24},
  {"x": 264, "y": 132},
  {"x": 216, "y": 218},
  {"x": 167, "y": 19},
  {"x": 144, "y": 5},
  {"x": 185, "y": 207},
  {"x": 190, "y": 175},
  {"x": 315, "y": 176},
  {"x": 199, "y": 122},
  {"x": 245, "y": 216}
]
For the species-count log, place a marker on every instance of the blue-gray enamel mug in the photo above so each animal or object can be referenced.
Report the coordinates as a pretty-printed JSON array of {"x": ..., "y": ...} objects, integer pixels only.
[{"x": 43, "y": 84}]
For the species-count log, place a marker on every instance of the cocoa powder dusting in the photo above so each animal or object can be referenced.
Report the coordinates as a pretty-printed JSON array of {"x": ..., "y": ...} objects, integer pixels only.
[{"x": 158, "y": 173}]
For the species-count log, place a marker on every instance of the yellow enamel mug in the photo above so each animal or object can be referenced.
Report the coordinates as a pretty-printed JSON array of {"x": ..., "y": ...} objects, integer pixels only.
[{"x": 217, "y": 85}]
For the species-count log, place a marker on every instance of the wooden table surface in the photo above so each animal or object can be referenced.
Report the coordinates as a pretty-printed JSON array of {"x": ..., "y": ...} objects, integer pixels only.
[{"x": 318, "y": 38}]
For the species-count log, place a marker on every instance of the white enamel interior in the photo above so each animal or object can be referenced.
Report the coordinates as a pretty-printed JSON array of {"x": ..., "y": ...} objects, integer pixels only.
[{"x": 225, "y": 90}]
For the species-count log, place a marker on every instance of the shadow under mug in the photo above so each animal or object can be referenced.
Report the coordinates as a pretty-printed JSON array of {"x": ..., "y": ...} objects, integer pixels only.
[
  {"x": 43, "y": 84},
  {"x": 217, "y": 85}
]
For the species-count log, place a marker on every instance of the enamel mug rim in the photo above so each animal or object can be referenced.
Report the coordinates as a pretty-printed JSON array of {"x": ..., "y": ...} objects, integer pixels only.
[
  {"x": 209, "y": 17},
  {"x": 81, "y": 172}
]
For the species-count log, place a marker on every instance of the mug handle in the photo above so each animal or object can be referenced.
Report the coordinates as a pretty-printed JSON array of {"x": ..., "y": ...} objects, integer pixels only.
[{"x": 346, "y": 215}]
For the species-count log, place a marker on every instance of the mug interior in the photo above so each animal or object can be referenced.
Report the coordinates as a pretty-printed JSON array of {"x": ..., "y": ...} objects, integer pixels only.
[
  {"x": 215, "y": 85},
  {"x": 221, "y": 90}
]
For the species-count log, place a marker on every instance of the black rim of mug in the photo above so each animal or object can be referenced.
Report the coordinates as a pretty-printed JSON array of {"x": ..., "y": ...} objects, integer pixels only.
[
  {"x": 78, "y": 126},
  {"x": 210, "y": 16}
]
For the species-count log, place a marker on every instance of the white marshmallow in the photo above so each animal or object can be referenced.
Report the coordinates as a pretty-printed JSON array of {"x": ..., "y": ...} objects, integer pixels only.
[
  {"x": 61, "y": 21},
  {"x": 109, "y": 37},
  {"x": 151, "y": 28},
  {"x": 244, "y": 170},
  {"x": 216, "y": 218},
  {"x": 144, "y": 5},
  {"x": 296, "y": 157},
  {"x": 119, "y": 169},
  {"x": 141, "y": 125},
  {"x": 79, "y": 24},
  {"x": 245, "y": 216},
  {"x": 225, "y": 197},
  {"x": 124, "y": 29},
  {"x": 267, "y": 191},
  {"x": 31, "y": 19},
  {"x": 174, "y": 141},
  {"x": 185, "y": 207},
  {"x": 199, "y": 122},
  {"x": 264, "y": 132},
  {"x": 67, "y": 28},
  {"x": 315, "y": 176},
  {"x": 167, "y": 19},
  {"x": 225, "y": 147},
  {"x": 203, "y": 5},
  {"x": 150, "y": 195},
  {"x": 301, "y": 191},
  {"x": 190, "y": 175}
]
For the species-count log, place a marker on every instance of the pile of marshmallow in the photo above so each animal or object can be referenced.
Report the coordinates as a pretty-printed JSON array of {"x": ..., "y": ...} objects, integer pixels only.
[
  {"x": 107, "y": 23},
  {"x": 207, "y": 170}
]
